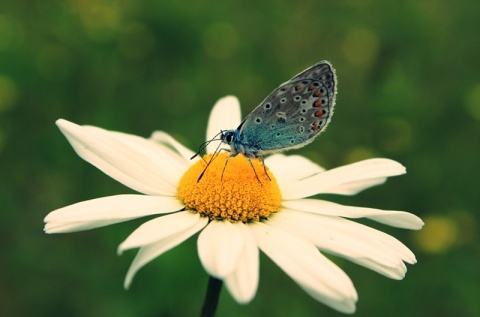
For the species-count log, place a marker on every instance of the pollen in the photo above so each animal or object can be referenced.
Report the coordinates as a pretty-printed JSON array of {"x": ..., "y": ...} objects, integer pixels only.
[{"x": 230, "y": 189}]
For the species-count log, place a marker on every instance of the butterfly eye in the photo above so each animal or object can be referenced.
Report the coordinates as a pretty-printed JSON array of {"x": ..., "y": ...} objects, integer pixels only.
[{"x": 228, "y": 137}]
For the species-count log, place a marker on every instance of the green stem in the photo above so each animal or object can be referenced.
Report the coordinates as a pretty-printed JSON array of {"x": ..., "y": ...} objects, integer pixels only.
[{"x": 211, "y": 298}]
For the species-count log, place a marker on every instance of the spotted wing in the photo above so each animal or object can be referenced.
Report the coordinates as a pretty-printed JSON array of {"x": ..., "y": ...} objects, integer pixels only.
[{"x": 293, "y": 114}]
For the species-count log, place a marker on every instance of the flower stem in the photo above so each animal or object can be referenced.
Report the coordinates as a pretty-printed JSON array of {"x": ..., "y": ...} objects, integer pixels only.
[{"x": 211, "y": 298}]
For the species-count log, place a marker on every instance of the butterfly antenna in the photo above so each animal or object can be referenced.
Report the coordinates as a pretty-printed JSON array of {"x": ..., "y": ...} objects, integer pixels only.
[
  {"x": 205, "y": 144},
  {"x": 214, "y": 156},
  {"x": 200, "y": 149}
]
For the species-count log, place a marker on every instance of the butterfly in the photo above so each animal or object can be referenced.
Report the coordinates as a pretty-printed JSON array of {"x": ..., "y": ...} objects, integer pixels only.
[{"x": 292, "y": 116}]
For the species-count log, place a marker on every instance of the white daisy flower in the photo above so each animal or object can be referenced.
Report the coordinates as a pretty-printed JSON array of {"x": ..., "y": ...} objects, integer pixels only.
[{"x": 236, "y": 214}]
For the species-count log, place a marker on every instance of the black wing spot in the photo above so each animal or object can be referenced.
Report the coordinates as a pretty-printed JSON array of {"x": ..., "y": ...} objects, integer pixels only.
[
  {"x": 304, "y": 110},
  {"x": 304, "y": 102},
  {"x": 301, "y": 119},
  {"x": 268, "y": 106},
  {"x": 297, "y": 98},
  {"x": 301, "y": 129},
  {"x": 283, "y": 100},
  {"x": 258, "y": 120}
]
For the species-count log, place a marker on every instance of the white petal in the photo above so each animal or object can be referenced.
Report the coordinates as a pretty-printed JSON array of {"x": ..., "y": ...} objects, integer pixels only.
[
  {"x": 317, "y": 275},
  {"x": 164, "y": 138},
  {"x": 394, "y": 272},
  {"x": 161, "y": 156},
  {"x": 107, "y": 210},
  {"x": 243, "y": 282},
  {"x": 323, "y": 182},
  {"x": 400, "y": 219},
  {"x": 358, "y": 243},
  {"x": 356, "y": 187},
  {"x": 219, "y": 247},
  {"x": 292, "y": 167},
  {"x": 151, "y": 251},
  {"x": 225, "y": 115},
  {"x": 65, "y": 227},
  {"x": 159, "y": 229},
  {"x": 135, "y": 162}
]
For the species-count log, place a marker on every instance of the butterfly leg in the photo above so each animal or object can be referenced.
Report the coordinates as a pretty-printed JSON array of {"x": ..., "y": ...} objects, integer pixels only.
[
  {"x": 225, "y": 166},
  {"x": 249, "y": 161},
  {"x": 214, "y": 156},
  {"x": 264, "y": 167},
  {"x": 253, "y": 167}
]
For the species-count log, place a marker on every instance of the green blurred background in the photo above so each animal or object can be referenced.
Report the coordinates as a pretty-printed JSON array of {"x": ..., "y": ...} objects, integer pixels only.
[{"x": 409, "y": 89}]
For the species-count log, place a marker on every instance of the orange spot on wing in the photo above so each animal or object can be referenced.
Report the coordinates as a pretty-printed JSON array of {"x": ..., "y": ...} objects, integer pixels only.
[
  {"x": 311, "y": 87},
  {"x": 317, "y": 94},
  {"x": 298, "y": 87},
  {"x": 317, "y": 103},
  {"x": 315, "y": 126},
  {"x": 319, "y": 113}
]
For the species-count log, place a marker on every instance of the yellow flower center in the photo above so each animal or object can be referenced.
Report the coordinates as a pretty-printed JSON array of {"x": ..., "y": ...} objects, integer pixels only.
[{"x": 238, "y": 195}]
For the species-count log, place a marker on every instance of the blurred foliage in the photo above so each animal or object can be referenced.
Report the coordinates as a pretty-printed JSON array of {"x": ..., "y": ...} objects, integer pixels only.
[{"x": 409, "y": 89}]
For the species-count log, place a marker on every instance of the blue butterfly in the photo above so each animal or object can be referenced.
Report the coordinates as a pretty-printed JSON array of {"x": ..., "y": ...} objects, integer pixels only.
[{"x": 289, "y": 118}]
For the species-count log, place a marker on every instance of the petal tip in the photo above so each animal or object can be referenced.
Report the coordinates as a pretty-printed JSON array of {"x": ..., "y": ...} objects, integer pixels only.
[
  {"x": 62, "y": 123},
  {"x": 230, "y": 99},
  {"x": 119, "y": 250},
  {"x": 227, "y": 103}
]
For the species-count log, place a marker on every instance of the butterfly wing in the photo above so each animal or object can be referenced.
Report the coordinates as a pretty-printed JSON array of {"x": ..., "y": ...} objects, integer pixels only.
[{"x": 293, "y": 114}]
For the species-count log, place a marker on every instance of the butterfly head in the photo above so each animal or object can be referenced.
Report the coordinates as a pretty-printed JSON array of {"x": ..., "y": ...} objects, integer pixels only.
[{"x": 228, "y": 136}]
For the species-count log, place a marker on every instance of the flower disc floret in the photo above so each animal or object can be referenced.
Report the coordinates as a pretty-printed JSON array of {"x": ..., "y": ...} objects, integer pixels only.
[{"x": 237, "y": 195}]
